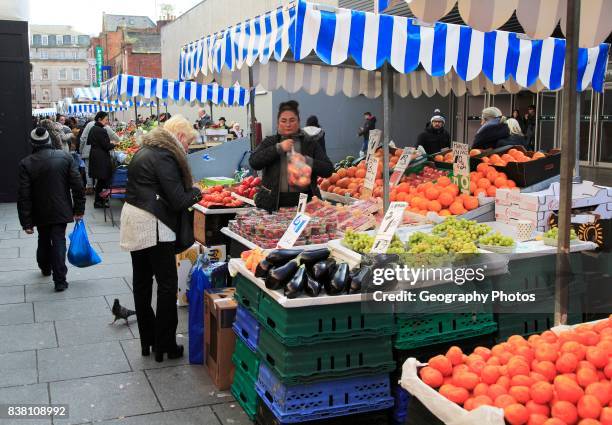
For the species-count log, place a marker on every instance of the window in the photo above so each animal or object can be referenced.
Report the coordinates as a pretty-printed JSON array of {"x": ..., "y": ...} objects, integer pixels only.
[
  {"x": 59, "y": 40},
  {"x": 44, "y": 39},
  {"x": 36, "y": 39},
  {"x": 44, "y": 54},
  {"x": 84, "y": 40},
  {"x": 63, "y": 75},
  {"x": 45, "y": 95},
  {"x": 68, "y": 39},
  {"x": 33, "y": 95},
  {"x": 44, "y": 74},
  {"x": 76, "y": 74},
  {"x": 65, "y": 92}
]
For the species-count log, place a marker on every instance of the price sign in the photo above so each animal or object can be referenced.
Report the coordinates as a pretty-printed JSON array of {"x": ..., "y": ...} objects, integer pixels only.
[
  {"x": 461, "y": 166},
  {"x": 302, "y": 203},
  {"x": 393, "y": 218},
  {"x": 370, "y": 178},
  {"x": 373, "y": 142},
  {"x": 293, "y": 232},
  {"x": 400, "y": 167}
]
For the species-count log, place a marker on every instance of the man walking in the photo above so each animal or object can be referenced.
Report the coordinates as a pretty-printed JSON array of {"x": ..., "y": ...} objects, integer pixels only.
[
  {"x": 50, "y": 196},
  {"x": 364, "y": 131}
]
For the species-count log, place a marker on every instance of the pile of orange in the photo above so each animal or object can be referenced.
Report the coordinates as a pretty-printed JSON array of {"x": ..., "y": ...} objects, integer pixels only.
[
  {"x": 513, "y": 155},
  {"x": 447, "y": 157},
  {"x": 486, "y": 180},
  {"x": 441, "y": 197},
  {"x": 547, "y": 379}
]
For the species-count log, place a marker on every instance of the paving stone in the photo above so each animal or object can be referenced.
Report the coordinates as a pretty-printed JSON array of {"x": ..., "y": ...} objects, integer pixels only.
[
  {"x": 231, "y": 414},
  {"x": 171, "y": 384},
  {"x": 7, "y": 253},
  {"x": 45, "y": 311},
  {"x": 77, "y": 289},
  {"x": 131, "y": 347},
  {"x": 182, "y": 326},
  {"x": 9, "y": 235},
  {"x": 23, "y": 277},
  {"x": 81, "y": 361},
  {"x": 195, "y": 416},
  {"x": 18, "y": 368},
  {"x": 12, "y": 225},
  {"x": 105, "y": 237},
  {"x": 14, "y": 314},
  {"x": 90, "y": 330},
  {"x": 105, "y": 397},
  {"x": 100, "y": 271},
  {"x": 29, "y": 336},
  {"x": 23, "y": 235},
  {"x": 109, "y": 246},
  {"x": 11, "y": 294},
  {"x": 29, "y": 262},
  {"x": 25, "y": 394}
]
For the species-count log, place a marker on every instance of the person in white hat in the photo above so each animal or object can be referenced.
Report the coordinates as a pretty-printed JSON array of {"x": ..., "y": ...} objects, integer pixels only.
[{"x": 435, "y": 137}]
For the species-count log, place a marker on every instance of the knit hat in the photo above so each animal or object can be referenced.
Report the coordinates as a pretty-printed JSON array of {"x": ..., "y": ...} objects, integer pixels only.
[
  {"x": 39, "y": 136},
  {"x": 490, "y": 113},
  {"x": 437, "y": 116}
]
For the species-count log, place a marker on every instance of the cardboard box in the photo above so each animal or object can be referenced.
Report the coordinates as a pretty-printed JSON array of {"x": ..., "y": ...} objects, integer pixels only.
[
  {"x": 538, "y": 218},
  {"x": 207, "y": 228},
  {"x": 506, "y": 196},
  {"x": 502, "y": 213},
  {"x": 219, "y": 337},
  {"x": 184, "y": 262},
  {"x": 585, "y": 194}
]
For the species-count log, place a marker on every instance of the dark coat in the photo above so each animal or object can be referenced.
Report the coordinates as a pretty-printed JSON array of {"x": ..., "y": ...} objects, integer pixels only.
[
  {"x": 267, "y": 158},
  {"x": 46, "y": 179},
  {"x": 512, "y": 140},
  {"x": 489, "y": 136},
  {"x": 154, "y": 173},
  {"x": 434, "y": 140},
  {"x": 100, "y": 164},
  {"x": 369, "y": 124}
]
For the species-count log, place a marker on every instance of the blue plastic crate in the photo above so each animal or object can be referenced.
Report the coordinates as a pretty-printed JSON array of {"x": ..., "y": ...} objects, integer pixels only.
[
  {"x": 300, "y": 403},
  {"x": 246, "y": 327},
  {"x": 399, "y": 413}
]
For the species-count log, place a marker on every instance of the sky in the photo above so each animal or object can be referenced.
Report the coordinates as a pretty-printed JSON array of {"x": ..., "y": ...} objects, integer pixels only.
[{"x": 86, "y": 15}]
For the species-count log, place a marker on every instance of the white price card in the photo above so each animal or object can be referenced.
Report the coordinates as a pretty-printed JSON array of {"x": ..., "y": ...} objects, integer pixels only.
[
  {"x": 393, "y": 218},
  {"x": 371, "y": 169},
  {"x": 461, "y": 166},
  {"x": 400, "y": 167},
  {"x": 374, "y": 140},
  {"x": 293, "y": 232},
  {"x": 302, "y": 203}
]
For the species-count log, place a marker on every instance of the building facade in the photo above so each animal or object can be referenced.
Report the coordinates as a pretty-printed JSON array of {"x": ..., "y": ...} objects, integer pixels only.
[{"x": 58, "y": 56}]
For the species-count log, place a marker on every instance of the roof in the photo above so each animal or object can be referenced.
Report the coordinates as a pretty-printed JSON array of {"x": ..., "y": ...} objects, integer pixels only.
[
  {"x": 54, "y": 29},
  {"x": 112, "y": 22},
  {"x": 144, "y": 42}
]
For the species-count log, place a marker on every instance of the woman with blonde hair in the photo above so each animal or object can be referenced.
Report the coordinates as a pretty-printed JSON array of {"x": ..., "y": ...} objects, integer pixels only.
[
  {"x": 516, "y": 136},
  {"x": 160, "y": 188}
]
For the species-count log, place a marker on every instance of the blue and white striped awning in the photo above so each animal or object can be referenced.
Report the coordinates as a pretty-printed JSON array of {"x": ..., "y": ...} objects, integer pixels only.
[
  {"x": 128, "y": 103},
  {"x": 130, "y": 86},
  {"x": 89, "y": 108},
  {"x": 86, "y": 93},
  {"x": 338, "y": 36},
  {"x": 43, "y": 111}
]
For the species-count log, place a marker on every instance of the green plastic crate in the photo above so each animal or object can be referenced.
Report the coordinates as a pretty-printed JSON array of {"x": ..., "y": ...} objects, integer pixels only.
[
  {"x": 327, "y": 360},
  {"x": 526, "y": 324},
  {"x": 247, "y": 293},
  {"x": 424, "y": 330},
  {"x": 243, "y": 390},
  {"x": 246, "y": 360}
]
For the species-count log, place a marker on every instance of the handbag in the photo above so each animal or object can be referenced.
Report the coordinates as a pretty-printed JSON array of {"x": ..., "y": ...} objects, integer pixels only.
[
  {"x": 266, "y": 199},
  {"x": 184, "y": 237}
]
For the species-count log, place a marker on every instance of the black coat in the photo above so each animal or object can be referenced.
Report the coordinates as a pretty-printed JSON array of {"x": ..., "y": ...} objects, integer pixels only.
[
  {"x": 100, "y": 164},
  {"x": 434, "y": 140},
  {"x": 154, "y": 173},
  {"x": 46, "y": 179},
  {"x": 367, "y": 126},
  {"x": 512, "y": 140},
  {"x": 490, "y": 135},
  {"x": 267, "y": 158}
]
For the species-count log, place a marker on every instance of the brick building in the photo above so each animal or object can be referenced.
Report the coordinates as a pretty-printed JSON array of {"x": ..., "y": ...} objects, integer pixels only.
[{"x": 131, "y": 45}]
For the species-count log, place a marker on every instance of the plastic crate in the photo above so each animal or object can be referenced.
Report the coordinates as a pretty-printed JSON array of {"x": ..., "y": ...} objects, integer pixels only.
[
  {"x": 310, "y": 325},
  {"x": 243, "y": 390},
  {"x": 324, "y": 361},
  {"x": 401, "y": 399},
  {"x": 320, "y": 400},
  {"x": 526, "y": 324},
  {"x": 246, "y": 327},
  {"x": 247, "y": 293},
  {"x": 246, "y": 360},
  {"x": 421, "y": 330}
]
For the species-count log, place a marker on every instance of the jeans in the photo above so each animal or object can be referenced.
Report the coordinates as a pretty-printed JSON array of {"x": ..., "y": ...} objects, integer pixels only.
[
  {"x": 51, "y": 252},
  {"x": 159, "y": 328},
  {"x": 364, "y": 146}
]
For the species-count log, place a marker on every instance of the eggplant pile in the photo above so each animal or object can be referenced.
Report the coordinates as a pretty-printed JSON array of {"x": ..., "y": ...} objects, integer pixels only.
[{"x": 297, "y": 272}]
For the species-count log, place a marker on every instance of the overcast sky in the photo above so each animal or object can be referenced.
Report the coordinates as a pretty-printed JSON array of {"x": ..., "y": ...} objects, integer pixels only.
[{"x": 86, "y": 15}]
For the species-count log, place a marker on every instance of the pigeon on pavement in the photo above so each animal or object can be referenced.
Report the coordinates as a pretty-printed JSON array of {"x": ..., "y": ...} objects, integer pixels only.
[{"x": 121, "y": 312}]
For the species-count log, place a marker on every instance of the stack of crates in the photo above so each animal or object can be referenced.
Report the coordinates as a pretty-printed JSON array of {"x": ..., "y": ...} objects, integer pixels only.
[{"x": 314, "y": 363}]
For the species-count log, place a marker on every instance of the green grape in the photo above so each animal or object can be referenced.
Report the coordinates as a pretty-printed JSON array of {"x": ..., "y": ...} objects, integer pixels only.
[{"x": 496, "y": 239}]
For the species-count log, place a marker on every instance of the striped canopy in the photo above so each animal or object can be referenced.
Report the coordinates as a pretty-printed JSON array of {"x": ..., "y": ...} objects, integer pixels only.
[
  {"x": 130, "y": 86},
  {"x": 128, "y": 103},
  {"x": 43, "y": 111},
  {"x": 441, "y": 54},
  {"x": 86, "y": 93},
  {"x": 88, "y": 108}
]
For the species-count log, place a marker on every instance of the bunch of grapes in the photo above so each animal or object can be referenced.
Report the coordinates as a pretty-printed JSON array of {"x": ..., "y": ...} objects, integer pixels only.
[
  {"x": 362, "y": 243},
  {"x": 496, "y": 239},
  {"x": 554, "y": 234},
  {"x": 467, "y": 230}
]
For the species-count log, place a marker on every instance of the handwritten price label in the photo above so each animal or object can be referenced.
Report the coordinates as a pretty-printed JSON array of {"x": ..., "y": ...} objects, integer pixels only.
[
  {"x": 461, "y": 166},
  {"x": 393, "y": 218},
  {"x": 371, "y": 169},
  {"x": 293, "y": 232},
  {"x": 401, "y": 166},
  {"x": 373, "y": 142}
]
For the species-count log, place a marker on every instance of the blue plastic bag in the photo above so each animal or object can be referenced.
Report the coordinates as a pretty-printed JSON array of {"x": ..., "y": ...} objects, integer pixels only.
[
  {"x": 80, "y": 252},
  {"x": 198, "y": 283}
]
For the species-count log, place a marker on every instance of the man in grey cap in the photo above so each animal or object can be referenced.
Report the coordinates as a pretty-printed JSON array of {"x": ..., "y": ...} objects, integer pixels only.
[
  {"x": 493, "y": 129},
  {"x": 50, "y": 196}
]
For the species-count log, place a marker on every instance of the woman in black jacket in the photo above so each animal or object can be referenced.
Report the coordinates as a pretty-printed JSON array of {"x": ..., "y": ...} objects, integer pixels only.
[
  {"x": 281, "y": 184},
  {"x": 100, "y": 164},
  {"x": 516, "y": 137},
  {"x": 160, "y": 188},
  {"x": 493, "y": 128}
]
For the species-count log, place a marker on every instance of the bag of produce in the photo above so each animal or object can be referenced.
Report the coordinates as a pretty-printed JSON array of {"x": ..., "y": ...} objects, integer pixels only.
[{"x": 299, "y": 171}]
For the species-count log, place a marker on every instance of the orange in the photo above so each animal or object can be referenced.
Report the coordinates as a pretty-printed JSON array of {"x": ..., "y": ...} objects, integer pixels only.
[
  {"x": 432, "y": 193},
  {"x": 442, "y": 364},
  {"x": 490, "y": 374},
  {"x": 483, "y": 168},
  {"x": 567, "y": 389},
  {"x": 443, "y": 181},
  {"x": 565, "y": 411},
  {"x": 434, "y": 206},
  {"x": 483, "y": 183},
  {"x": 474, "y": 152},
  {"x": 586, "y": 376},
  {"x": 403, "y": 187},
  {"x": 536, "y": 419},
  {"x": 454, "y": 394},
  {"x": 481, "y": 389},
  {"x": 453, "y": 189},
  {"x": 521, "y": 380},
  {"x": 500, "y": 181},
  {"x": 601, "y": 390},
  {"x": 485, "y": 160},
  {"x": 351, "y": 171},
  {"x": 541, "y": 392},
  {"x": 516, "y": 414},
  {"x": 537, "y": 377},
  {"x": 574, "y": 347},
  {"x": 539, "y": 409},
  {"x": 546, "y": 352},
  {"x": 538, "y": 155},
  {"x": 360, "y": 173},
  {"x": 597, "y": 357},
  {"x": 492, "y": 175},
  {"x": 506, "y": 157},
  {"x": 589, "y": 422},
  {"x": 483, "y": 352},
  {"x": 418, "y": 202},
  {"x": 401, "y": 197},
  {"x": 444, "y": 213},
  {"x": 496, "y": 390},
  {"x": 455, "y": 355},
  {"x": 342, "y": 172},
  {"x": 589, "y": 407},
  {"x": 494, "y": 158},
  {"x": 467, "y": 380},
  {"x": 480, "y": 192},
  {"x": 482, "y": 400},
  {"x": 520, "y": 393},
  {"x": 431, "y": 376},
  {"x": 456, "y": 208},
  {"x": 439, "y": 158},
  {"x": 470, "y": 203},
  {"x": 445, "y": 198},
  {"x": 566, "y": 363},
  {"x": 491, "y": 191},
  {"x": 516, "y": 154},
  {"x": 517, "y": 366},
  {"x": 511, "y": 183},
  {"x": 504, "y": 400},
  {"x": 545, "y": 368},
  {"x": 606, "y": 416}
]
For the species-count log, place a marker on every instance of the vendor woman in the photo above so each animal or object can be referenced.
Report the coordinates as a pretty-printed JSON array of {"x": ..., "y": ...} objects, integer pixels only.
[{"x": 291, "y": 162}]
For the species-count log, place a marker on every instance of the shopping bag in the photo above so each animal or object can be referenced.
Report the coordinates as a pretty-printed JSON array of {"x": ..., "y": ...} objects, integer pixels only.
[
  {"x": 80, "y": 252},
  {"x": 198, "y": 283}
]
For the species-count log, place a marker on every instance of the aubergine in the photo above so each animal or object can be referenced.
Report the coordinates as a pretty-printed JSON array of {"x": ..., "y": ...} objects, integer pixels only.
[
  {"x": 280, "y": 257},
  {"x": 314, "y": 256},
  {"x": 323, "y": 270},
  {"x": 312, "y": 287},
  {"x": 263, "y": 268},
  {"x": 279, "y": 276},
  {"x": 359, "y": 279},
  {"x": 295, "y": 286},
  {"x": 382, "y": 260},
  {"x": 340, "y": 280}
]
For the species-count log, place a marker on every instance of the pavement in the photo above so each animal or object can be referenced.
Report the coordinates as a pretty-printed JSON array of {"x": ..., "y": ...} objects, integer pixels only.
[{"x": 60, "y": 348}]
